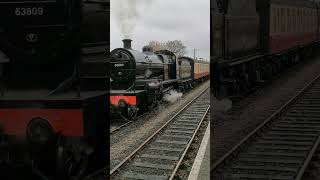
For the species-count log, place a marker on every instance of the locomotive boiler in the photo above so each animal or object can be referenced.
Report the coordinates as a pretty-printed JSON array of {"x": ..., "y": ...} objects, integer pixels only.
[
  {"x": 53, "y": 82},
  {"x": 129, "y": 65}
]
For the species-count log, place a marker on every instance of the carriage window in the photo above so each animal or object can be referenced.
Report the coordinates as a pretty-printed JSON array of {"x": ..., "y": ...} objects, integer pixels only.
[
  {"x": 301, "y": 20},
  {"x": 286, "y": 16},
  {"x": 277, "y": 14},
  {"x": 278, "y": 22},
  {"x": 283, "y": 25},
  {"x": 298, "y": 21},
  {"x": 314, "y": 19},
  {"x": 294, "y": 20},
  {"x": 308, "y": 19},
  {"x": 274, "y": 25},
  {"x": 288, "y": 20},
  {"x": 304, "y": 20}
]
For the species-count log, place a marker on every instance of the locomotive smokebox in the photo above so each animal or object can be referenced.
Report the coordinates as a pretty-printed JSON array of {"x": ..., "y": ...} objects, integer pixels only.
[{"x": 127, "y": 43}]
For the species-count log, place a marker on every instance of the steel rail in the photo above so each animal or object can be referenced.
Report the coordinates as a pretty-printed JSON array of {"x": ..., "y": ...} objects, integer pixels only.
[
  {"x": 253, "y": 134},
  {"x": 123, "y": 162},
  {"x": 189, "y": 144}
]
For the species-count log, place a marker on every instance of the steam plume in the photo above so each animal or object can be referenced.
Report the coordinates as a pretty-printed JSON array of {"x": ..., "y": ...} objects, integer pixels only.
[
  {"x": 172, "y": 96},
  {"x": 127, "y": 13}
]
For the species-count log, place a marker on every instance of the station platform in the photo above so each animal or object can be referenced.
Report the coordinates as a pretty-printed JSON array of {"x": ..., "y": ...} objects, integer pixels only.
[{"x": 201, "y": 166}]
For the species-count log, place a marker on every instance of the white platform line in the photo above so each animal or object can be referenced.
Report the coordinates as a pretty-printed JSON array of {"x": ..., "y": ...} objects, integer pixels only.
[{"x": 200, "y": 156}]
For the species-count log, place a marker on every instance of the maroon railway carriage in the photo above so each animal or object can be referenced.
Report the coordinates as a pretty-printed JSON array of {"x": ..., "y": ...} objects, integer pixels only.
[
  {"x": 289, "y": 24},
  {"x": 253, "y": 40}
]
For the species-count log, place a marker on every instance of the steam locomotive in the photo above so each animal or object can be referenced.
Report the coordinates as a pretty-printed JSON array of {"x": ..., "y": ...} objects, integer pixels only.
[
  {"x": 253, "y": 40},
  {"x": 139, "y": 80},
  {"x": 53, "y": 86}
]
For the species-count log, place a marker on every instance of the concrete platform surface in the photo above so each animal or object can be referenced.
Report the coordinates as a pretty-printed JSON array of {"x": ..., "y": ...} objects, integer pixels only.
[{"x": 201, "y": 166}]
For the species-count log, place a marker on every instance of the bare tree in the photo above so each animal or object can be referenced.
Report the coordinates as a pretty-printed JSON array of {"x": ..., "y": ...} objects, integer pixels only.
[
  {"x": 175, "y": 46},
  {"x": 156, "y": 45}
]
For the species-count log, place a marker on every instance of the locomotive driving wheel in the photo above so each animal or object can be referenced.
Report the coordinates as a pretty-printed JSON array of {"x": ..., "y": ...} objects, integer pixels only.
[
  {"x": 75, "y": 169},
  {"x": 71, "y": 165}
]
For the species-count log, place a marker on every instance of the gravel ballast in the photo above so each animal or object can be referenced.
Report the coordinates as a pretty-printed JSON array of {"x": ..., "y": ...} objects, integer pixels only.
[
  {"x": 228, "y": 128},
  {"x": 127, "y": 139}
]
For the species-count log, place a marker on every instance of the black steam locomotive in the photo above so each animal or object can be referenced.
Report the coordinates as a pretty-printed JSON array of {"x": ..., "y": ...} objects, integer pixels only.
[
  {"x": 139, "y": 80},
  {"x": 139, "y": 77},
  {"x": 53, "y": 83}
]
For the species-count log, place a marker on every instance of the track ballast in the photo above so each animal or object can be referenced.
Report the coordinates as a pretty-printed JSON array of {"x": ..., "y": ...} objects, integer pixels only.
[
  {"x": 282, "y": 146},
  {"x": 161, "y": 154}
]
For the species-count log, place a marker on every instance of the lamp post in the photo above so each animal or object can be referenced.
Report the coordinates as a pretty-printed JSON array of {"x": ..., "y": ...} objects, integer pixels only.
[{"x": 194, "y": 53}]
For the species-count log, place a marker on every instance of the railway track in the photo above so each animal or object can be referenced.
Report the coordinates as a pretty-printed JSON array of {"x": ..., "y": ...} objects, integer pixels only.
[
  {"x": 161, "y": 154},
  {"x": 119, "y": 123},
  {"x": 282, "y": 146},
  {"x": 116, "y": 126}
]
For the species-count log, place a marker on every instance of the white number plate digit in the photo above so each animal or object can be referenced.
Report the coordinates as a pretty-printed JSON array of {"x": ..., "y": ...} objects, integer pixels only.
[{"x": 32, "y": 11}]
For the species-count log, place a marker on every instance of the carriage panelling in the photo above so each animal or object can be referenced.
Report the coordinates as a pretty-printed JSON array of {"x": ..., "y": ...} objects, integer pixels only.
[
  {"x": 201, "y": 69},
  {"x": 291, "y": 26}
]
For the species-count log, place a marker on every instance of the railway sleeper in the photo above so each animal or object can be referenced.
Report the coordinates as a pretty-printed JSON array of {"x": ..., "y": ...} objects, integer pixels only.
[{"x": 236, "y": 176}]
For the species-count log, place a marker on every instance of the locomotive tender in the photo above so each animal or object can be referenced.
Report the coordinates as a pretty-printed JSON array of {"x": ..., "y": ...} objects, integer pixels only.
[
  {"x": 253, "y": 40},
  {"x": 53, "y": 82},
  {"x": 140, "y": 79}
]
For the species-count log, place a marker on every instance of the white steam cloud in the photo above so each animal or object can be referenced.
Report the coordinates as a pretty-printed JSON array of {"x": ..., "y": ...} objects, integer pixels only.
[
  {"x": 127, "y": 13},
  {"x": 172, "y": 96}
]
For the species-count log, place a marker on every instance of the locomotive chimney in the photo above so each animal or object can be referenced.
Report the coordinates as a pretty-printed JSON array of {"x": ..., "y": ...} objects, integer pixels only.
[{"x": 127, "y": 43}]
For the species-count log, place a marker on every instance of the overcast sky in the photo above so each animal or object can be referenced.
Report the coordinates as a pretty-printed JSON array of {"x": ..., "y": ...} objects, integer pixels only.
[{"x": 164, "y": 20}]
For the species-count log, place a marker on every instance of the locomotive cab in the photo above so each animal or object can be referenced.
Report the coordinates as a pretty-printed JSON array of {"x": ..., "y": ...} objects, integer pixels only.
[
  {"x": 170, "y": 61},
  {"x": 186, "y": 68}
]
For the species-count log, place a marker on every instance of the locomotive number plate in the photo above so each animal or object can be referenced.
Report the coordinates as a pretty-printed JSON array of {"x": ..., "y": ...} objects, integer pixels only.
[
  {"x": 119, "y": 65},
  {"x": 29, "y": 11}
]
